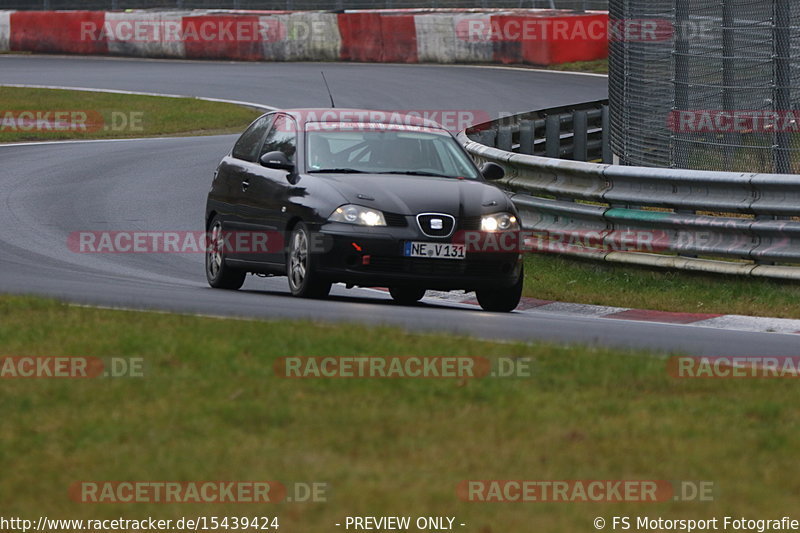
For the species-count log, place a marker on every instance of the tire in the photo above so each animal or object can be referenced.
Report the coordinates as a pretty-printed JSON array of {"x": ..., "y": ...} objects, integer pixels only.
[
  {"x": 304, "y": 282},
  {"x": 502, "y": 299},
  {"x": 407, "y": 295},
  {"x": 218, "y": 274}
]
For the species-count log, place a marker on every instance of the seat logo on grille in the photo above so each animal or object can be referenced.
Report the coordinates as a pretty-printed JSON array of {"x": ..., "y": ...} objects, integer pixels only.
[{"x": 438, "y": 225}]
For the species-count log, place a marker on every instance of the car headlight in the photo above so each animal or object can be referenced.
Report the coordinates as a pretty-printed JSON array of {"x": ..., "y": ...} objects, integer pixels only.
[
  {"x": 355, "y": 214},
  {"x": 499, "y": 222}
]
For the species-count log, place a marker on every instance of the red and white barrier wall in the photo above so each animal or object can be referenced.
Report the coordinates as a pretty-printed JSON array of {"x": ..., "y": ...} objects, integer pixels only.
[{"x": 536, "y": 37}]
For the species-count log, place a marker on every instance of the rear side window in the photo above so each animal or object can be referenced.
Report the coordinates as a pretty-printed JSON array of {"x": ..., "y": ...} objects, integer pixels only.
[
  {"x": 282, "y": 137},
  {"x": 247, "y": 146}
]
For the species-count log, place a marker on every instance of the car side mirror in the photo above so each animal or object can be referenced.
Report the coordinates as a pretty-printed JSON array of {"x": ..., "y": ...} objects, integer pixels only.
[
  {"x": 492, "y": 171},
  {"x": 277, "y": 160}
]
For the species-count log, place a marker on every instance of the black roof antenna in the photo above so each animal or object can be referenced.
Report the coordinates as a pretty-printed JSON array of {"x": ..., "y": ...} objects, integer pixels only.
[{"x": 329, "y": 89}]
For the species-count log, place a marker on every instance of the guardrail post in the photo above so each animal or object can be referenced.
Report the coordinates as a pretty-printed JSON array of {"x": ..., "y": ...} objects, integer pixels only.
[
  {"x": 605, "y": 120},
  {"x": 526, "y": 137},
  {"x": 580, "y": 127},
  {"x": 487, "y": 138},
  {"x": 504, "y": 140},
  {"x": 552, "y": 136}
]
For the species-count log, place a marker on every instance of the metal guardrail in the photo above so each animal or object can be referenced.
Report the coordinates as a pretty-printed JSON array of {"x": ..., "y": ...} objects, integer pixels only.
[
  {"x": 570, "y": 132},
  {"x": 719, "y": 222}
]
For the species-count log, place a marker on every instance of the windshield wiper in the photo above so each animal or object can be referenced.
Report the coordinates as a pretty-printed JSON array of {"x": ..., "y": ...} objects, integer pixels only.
[
  {"x": 337, "y": 171},
  {"x": 416, "y": 173}
]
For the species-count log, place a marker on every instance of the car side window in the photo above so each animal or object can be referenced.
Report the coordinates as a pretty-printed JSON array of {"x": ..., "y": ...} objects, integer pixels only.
[
  {"x": 246, "y": 147},
  {"x": 282, "y": 137}
]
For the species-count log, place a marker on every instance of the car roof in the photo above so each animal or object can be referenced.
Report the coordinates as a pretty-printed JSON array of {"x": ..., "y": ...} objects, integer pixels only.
[{"x": 363, "y": 116}]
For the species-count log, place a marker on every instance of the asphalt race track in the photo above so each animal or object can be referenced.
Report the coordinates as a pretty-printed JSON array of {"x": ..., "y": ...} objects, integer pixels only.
[
  {"x": 48, "y": 191},
  {"x": 488, "y": 90}
]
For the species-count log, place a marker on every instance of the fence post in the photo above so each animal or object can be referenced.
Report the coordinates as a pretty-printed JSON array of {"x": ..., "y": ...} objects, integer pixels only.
[
  {"x": 782, "y": 80},
  {"x": 680, "y": 156},
  {"x": 728, "y": 75}
]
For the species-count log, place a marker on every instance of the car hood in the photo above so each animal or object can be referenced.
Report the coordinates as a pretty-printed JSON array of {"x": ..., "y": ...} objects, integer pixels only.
[{"x": 411, "y": 195}]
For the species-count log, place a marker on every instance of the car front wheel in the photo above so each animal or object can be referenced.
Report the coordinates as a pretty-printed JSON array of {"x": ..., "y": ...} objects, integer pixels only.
[
  {"x": 218, "y": 274},
  {"x": 300, "y": 269},
  {"x": 503, "y": 299}
]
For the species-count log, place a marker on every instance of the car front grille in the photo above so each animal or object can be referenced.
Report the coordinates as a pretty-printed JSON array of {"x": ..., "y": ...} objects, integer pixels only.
[
  {"x": 469, "y": 223},
  {"x": 396, "y": 221},
  {"x": 436, "y": 224}
]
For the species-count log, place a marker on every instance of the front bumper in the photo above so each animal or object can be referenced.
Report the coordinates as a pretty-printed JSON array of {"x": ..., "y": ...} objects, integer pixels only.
[{"x": 374, "y": 257}]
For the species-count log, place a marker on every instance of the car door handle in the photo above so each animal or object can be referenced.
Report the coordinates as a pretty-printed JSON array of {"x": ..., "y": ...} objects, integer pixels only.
[{"x": 245, "y": 185}]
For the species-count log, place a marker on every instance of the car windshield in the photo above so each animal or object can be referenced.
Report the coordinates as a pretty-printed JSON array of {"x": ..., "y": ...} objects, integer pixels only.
[{"x": 411, "y": 151}]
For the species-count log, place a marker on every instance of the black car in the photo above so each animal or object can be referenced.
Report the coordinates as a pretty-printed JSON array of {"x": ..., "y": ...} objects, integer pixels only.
[{"x": 373, "y": 202}]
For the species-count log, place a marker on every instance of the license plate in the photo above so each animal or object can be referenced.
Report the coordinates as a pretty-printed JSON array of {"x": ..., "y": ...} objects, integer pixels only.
[{"x": 434, "y": 250}]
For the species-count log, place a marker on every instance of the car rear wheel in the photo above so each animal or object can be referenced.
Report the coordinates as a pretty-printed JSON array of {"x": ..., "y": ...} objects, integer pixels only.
[
  {"x": 218, "y": 274},
  {"x": 407, "y": 295},
  {"x": 300, "y": 269},
  {"x": 503, "y": 299}
]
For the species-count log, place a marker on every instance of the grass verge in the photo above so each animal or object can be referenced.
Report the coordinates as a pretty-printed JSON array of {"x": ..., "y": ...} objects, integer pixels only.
[
  {"x": 95, "y": 115},
  {"x": 210, "y": 408},
  {"x": 598, "y": 66},
  {"x": 552, "y": 277}
]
